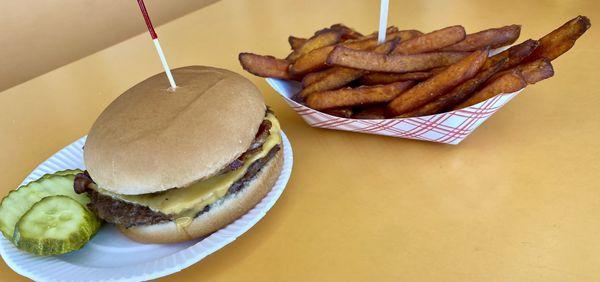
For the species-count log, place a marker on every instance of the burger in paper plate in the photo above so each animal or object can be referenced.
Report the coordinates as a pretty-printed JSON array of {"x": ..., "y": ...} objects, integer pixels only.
[{"x": 173, "y": 165}]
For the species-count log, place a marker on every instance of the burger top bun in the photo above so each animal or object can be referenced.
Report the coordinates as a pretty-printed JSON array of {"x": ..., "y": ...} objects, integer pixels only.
[{"x": 152, "y": 138}]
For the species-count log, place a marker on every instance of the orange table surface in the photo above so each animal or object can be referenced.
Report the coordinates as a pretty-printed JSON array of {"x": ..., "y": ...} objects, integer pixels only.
[{"x": 518, "y": 200}]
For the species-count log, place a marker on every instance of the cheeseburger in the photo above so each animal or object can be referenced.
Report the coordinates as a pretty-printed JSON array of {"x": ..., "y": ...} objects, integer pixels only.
[{"x": 173, "y": 165}]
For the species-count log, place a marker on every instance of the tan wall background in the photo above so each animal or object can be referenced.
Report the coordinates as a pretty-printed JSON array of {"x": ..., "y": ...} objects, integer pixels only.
[{"x": 39, "y": 36}]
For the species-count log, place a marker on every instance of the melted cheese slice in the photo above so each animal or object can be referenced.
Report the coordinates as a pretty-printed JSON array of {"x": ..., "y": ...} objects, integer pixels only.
[{"x": 188, "y": 201}]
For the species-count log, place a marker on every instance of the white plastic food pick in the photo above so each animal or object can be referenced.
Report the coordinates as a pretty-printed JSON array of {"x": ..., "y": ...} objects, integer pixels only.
[
  {"x": 163, "y": 60},
  {"x": 383, "y": 15}
]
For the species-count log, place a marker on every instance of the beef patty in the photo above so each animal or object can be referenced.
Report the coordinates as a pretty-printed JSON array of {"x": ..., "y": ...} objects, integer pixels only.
[{"x": 129, "y": 214}]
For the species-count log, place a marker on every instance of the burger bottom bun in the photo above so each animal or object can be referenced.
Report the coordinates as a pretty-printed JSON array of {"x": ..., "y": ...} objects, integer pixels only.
[{"x": 220, "y": 214}]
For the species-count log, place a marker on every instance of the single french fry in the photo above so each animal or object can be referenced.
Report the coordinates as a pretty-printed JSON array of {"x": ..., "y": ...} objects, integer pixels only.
[
  {"x": 408, "y": 34},
  {"x": 388, "y": 30},
  {"x": 372, "y": 112},
  {"x": 561, "y": 39},
  {"x": 403, "y": 35},
  {"x": 325, "y": 38},
  {"x": 362, "y": 44},
  {"x": 431, "y": 41},
  {"x": 336, "y": 78},
  {"x": 532, "y": 72},
  {"x": 430, "y": 89},
  {"x": 296, "y": 42},
  {"x": 514, "y": 54},
  {"x": 265, "y": 66},
  {"x": 376, "y": 78},
  {"x": 493, "y": 38},
  {"x": 313, "y": 61},
  {"x": 363, "y": 95},
  {"x": 399, "y": 63},
  {"x": 313, "y": 77},
  {"x": 458, "y": 94},
  {"x": 340, "y": 112},
  {"x": 536, "y": 71},
  {"x": 346, "y": 32},
  {"x": 340, "y": 76},
  {"x": 508, "y": 82}
]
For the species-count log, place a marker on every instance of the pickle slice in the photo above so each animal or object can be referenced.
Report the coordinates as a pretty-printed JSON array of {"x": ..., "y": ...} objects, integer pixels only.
[
  {"x": 55, "y": 225},
  {"x": 63, "y": 172},
  {"x": 19, "y": 201}
]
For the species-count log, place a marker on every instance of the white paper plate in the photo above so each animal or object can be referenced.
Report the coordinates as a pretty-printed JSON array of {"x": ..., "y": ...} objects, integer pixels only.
[{"x": 112, "y": 256}]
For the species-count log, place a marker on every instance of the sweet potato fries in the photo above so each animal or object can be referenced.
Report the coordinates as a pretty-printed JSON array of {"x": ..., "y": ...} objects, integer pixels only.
[{"x": 348, "y": 74}]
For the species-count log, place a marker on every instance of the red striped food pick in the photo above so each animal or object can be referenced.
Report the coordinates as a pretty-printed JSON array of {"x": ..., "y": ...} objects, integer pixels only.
[{"x": 161, "y": 55}]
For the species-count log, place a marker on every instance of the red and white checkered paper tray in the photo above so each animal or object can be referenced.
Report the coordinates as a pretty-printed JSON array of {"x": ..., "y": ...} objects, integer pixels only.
[{"x": 450, "y": 128}]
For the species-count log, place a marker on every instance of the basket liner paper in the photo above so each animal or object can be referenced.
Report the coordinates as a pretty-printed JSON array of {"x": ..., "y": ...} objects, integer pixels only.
[{"x": 449, "y": 128}]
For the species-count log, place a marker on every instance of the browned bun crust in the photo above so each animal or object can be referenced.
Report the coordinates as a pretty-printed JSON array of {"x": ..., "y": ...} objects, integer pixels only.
[{"x": 220, "y": 214}]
